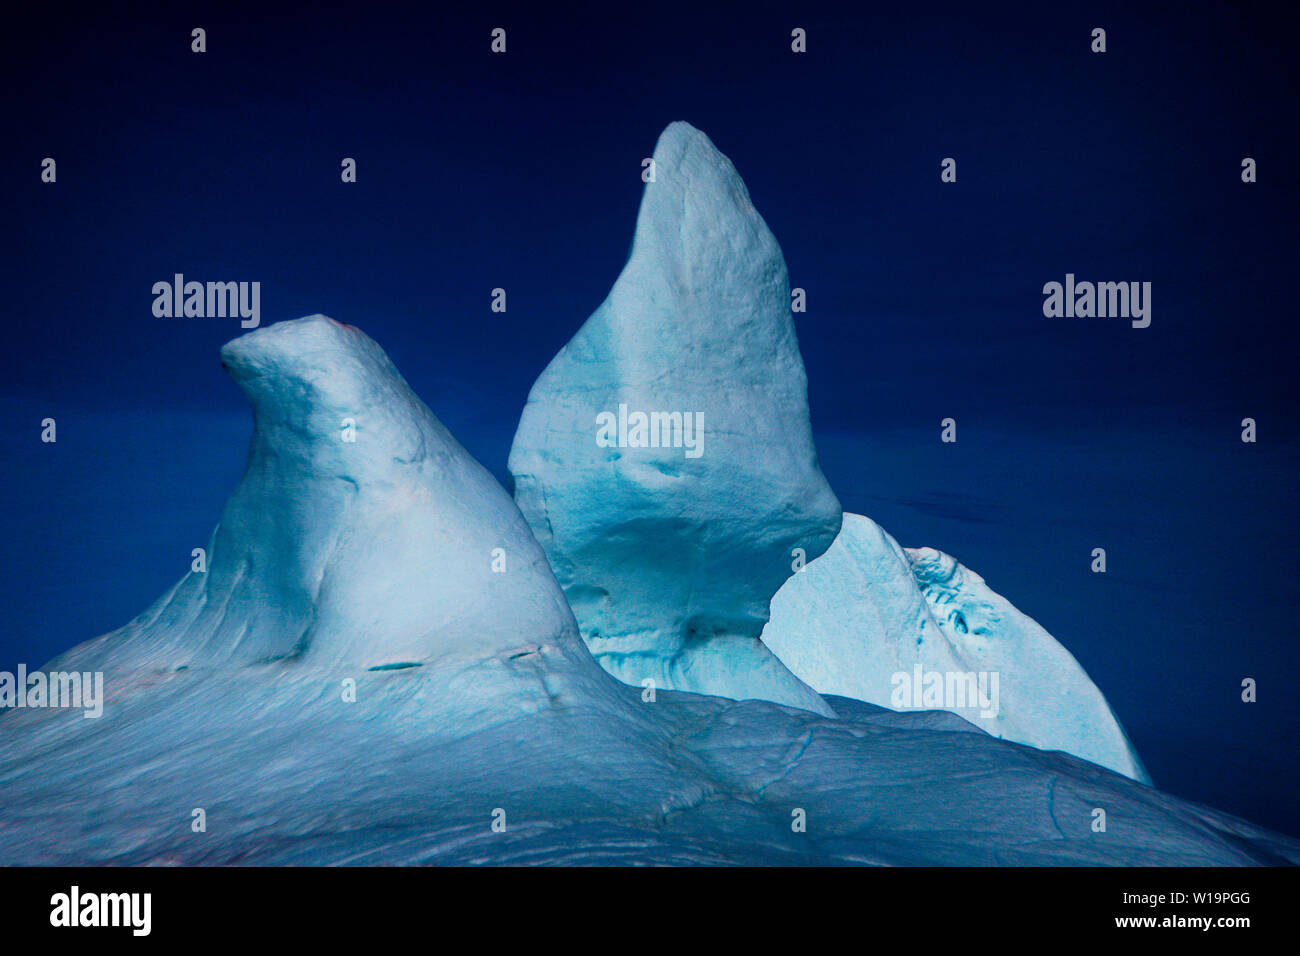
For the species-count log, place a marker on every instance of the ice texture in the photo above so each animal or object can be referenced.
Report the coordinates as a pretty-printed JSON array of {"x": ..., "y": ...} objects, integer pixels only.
[
  {"x": 378, "y": 666},
  {"x": 863, "y": 619},
  {"x": 331, "y": 552},
  {"x": 669, "y": 558},
  {"x": 363, "y": 570}
]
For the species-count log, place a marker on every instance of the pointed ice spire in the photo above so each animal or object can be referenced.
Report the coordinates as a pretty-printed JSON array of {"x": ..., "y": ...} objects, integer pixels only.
[
  {"x": 665, "y": 458},
  {"x": 362, "y": 533}
]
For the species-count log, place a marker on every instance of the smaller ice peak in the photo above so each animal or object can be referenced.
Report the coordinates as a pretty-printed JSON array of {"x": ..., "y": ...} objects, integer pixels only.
[
  {"x": 362, "y": 535},
  {"x": 913, "y": 629}
]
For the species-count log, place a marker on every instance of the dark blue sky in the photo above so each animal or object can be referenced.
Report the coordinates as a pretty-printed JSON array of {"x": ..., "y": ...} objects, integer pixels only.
[{"x": 522, "y": 171}]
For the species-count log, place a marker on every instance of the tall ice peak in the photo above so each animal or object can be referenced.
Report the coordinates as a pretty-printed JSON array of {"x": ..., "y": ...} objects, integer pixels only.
[{"x": 665, "y": 457}]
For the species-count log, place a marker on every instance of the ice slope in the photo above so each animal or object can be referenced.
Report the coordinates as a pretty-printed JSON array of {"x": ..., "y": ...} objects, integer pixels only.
[
  {"x": 669, "y": 558},
  {"x": 868, "y": 611},
  {"x": 331, "y": 551},
  {"x": 287, "y": 773},
  {"x": 230, "y": 696}
]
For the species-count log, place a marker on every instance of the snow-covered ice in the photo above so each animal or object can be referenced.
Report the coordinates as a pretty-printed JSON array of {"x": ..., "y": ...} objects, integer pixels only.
[
  {"x": 669, "y": 558},
  {"x": 329, "y": 552},
  {"x": 867, "y": 616},
  {"x": 378, "y": 664},
  {"x": 229, "y": 696}
]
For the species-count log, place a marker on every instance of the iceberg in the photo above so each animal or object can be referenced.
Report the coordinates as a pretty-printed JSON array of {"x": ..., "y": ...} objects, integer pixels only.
[
  {"x": 665, "y": 462},
  {"x": 356, "y": 679},
  {"x": 912, "y": 628},
  {"x": 385, "y": 658},
  {"x": 326, "y": 555},
  {"x": 665, "y": 458}
]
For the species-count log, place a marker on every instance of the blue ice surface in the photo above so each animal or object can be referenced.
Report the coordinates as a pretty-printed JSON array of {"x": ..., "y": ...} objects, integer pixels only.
[{"x": 1193, "y": 523}]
